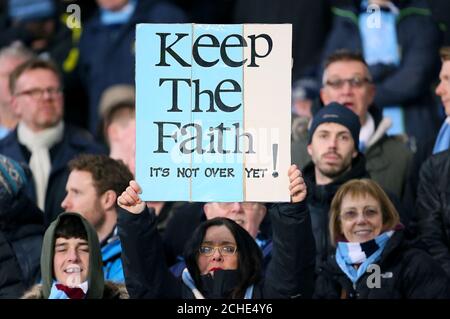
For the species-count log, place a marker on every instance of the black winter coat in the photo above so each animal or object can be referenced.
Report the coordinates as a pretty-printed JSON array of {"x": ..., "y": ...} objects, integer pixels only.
[
  {"x": 319, "y": 201},
  {"x": 289, "y": 274},
  {"x": 21, "y": 233},
  {"x": 433, "y": 207},
  {"x": 405, "y": 273}
]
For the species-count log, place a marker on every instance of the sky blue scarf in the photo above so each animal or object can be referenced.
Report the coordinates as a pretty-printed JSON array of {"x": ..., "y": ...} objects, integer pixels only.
[
  {"x": 380, "y": 45},
  {"x": 122, "y": 16},
  {"x": 443, "y": 139},
  {"x": 3, "y": 131},
  {"x": 363, "y": 254}
]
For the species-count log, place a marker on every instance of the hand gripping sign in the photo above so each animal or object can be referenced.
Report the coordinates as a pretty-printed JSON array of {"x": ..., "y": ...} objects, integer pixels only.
[{"x": 213, "y": 112}]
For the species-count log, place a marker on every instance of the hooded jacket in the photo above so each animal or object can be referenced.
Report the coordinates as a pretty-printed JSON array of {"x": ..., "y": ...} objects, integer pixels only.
[{"x": 95, "y": 279}]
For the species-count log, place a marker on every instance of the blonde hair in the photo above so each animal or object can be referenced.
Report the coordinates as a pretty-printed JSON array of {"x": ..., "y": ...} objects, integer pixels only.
[{"x": 361, "y": 188}]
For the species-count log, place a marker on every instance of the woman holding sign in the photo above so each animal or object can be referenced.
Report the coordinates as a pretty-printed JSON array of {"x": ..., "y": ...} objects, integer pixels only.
[
  {"x": 373, "y": 258},
  {"x": 222, "y": 259}
]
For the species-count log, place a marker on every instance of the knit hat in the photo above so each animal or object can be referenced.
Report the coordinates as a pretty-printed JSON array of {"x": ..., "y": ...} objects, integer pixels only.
[
  {"x": 30, "y": 10},
  {"x": 336, "y": 113},
  {"x": 114, "y": 96},
  {"x": 13, "y": 177}
]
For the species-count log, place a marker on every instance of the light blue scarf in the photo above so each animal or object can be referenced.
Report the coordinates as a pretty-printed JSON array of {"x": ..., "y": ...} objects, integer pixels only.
[
  {"x": 122, "y": 16},
  {"x": 188, "y": 281},
  {"x": 3, "y": 131},
  {"x": 380, "y": 45},
  {"x": 363, "y": 254},
  {"x": 443, "y": 139}
]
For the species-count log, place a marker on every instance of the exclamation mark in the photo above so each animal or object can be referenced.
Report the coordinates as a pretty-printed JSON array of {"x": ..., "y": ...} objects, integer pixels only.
[{"x": 275, "y": 156}]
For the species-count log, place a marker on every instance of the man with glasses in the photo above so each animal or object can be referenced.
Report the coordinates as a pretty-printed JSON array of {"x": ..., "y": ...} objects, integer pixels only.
[
  {"x": 347, "y": 80},
  {"x": 41, "y": 138},
  {"x": 400, "y": 42}
]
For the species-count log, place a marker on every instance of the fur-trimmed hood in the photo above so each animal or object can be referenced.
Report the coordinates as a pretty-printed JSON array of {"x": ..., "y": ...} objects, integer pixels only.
[{"x": 112, "y": 291}]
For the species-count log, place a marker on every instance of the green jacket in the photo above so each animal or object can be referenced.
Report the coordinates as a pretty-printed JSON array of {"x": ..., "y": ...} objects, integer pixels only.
[{"x": 95, "y": 275}]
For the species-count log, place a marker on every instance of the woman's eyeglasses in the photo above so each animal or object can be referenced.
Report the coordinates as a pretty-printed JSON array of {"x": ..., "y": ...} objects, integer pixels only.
[
  {"x": 224, "y": 250},
  {"x": 352, "y": 215}
]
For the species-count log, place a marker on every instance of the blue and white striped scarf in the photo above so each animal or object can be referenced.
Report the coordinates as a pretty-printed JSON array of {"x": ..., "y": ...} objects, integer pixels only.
[{"x": 363, "y": 254}]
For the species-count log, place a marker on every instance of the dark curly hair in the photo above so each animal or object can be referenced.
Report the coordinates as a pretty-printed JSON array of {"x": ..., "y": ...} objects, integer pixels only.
[
  {"x": 70, "y": 226},
  {"x": 107, "y": 173}
]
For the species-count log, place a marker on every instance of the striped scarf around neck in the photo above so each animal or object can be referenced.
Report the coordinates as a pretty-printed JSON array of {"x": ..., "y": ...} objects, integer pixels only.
[{"x": 349, "y": 254}]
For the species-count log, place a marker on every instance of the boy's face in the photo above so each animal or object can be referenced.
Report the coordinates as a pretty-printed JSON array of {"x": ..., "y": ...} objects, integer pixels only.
[{"x": 71, "y": 261}]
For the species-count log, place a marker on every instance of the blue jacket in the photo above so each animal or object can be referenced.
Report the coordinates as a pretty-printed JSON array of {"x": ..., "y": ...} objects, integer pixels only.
[
  {"x": 408, "y": 84},
  {"x": 112, "y": 263},
  {"x": 107, "y": 55},
  {"x": 75, "y": 141}
]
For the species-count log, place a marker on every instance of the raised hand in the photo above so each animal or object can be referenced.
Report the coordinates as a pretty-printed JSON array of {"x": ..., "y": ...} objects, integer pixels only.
[
  {"x": 297, "y": 184},
  {"x": 129, "y": 199}
]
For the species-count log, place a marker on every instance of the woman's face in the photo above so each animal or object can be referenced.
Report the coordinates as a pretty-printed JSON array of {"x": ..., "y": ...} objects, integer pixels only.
[
  {"x": 361, "y": 218},
  {"x": 217, "y": 251}
]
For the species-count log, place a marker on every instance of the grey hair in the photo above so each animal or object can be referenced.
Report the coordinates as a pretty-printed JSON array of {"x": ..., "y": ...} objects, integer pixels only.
[{"x": 16, "y": 50}]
